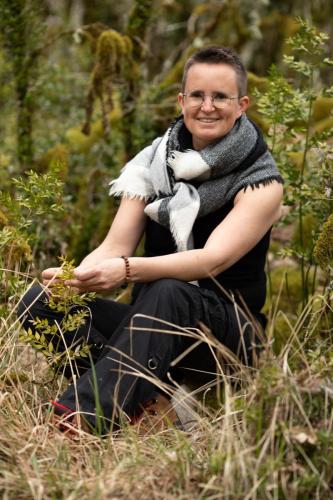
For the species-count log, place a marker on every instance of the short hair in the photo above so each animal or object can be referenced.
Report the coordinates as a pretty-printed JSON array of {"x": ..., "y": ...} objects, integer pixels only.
[{"x": 219, "y": 55}]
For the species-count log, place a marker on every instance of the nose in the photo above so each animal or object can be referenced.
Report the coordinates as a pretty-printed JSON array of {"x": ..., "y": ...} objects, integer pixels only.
[{"x": 207, "y": 103}]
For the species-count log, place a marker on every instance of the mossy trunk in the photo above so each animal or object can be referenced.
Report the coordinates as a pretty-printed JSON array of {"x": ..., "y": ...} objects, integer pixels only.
[
  {"x": 136, "y": 29},
  {"x": 20, "y": 29},
  {"x": 138, "y": 23},
  {"x": 24, "y": 125}
]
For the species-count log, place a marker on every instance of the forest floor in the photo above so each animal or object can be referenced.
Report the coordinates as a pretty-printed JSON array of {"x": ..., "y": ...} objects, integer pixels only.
[{"x": 263, "y": 432}]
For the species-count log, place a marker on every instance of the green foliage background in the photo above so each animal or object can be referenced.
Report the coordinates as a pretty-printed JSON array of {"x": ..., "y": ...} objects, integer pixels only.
[
  {"x": 83, "y": 86},
  {"x": 114, "y": 73},
  {"x": 82, "y": 90}
]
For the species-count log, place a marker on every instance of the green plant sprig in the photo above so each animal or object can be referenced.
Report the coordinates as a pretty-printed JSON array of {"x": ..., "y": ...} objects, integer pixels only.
[
  {"x": 47, "y": 337},
  {"x": 304, "y": 157}
]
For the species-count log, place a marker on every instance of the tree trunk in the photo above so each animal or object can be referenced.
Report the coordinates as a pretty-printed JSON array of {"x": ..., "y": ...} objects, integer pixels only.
[{"x": 24, "y": 127}]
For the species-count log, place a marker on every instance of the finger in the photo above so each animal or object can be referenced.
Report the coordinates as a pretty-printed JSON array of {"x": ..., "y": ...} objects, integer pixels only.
[
  {"x": 84, "y": 274},
  {"x": 81, "y": 285},
  {"x": 85, "y": 286},
  {"x": 51, "y": 272},
  {"x": 50, "y": 285}
]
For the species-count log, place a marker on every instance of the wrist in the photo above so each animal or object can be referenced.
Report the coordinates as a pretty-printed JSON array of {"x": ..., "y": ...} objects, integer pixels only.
[{"x": 127, "y": 269}]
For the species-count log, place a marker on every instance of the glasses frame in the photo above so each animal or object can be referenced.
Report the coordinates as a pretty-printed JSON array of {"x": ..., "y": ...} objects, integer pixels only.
[{"x": 203, "y": 97}]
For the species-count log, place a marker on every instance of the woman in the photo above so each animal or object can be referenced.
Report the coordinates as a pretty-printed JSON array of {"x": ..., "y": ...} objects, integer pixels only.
[{"x": 206, "y": 195}]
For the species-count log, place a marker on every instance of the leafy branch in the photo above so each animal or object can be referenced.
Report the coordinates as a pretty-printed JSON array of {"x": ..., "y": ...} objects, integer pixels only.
[
  {"x": 49, "y": 337},
  {"x": 303, "y": 156}
]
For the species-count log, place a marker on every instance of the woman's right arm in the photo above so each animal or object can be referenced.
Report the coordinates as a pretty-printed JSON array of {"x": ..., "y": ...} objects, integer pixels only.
[
  {"x": 122, "y": 239},
  {"x": 125, "y": 232}
]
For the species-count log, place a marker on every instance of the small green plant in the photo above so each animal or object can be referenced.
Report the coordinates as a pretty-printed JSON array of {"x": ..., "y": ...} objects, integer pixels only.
[
  {"x": 31, "y": 211},
  {"x": 324, "y": 246},
  {"x": 47, "y": 337},
  {"x": 304, "y": 156}
]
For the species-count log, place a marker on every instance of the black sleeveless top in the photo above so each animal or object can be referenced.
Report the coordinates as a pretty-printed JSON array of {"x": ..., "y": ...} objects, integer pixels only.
[{"x": 246, "y": 278}]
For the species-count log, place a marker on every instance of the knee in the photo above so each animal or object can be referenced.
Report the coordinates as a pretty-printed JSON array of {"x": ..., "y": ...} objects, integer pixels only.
[
  {"x": 168, "y": 288},
  {"x": 31, "y": 300}
]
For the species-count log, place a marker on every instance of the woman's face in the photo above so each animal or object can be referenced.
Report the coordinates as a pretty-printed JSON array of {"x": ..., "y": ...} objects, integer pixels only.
[{"x": 208, "y": 123}]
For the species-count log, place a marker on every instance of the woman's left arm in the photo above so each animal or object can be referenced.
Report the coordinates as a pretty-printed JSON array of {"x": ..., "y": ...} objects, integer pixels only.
[{"x": 254, "y": 212}]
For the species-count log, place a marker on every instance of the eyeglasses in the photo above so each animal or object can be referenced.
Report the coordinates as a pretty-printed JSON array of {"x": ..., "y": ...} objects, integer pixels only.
[{"x": 196, "y": 98}]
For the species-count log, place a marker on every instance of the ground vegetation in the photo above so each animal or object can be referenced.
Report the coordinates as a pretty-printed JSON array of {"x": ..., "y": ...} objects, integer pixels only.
[{"x": 82, "y": 89}]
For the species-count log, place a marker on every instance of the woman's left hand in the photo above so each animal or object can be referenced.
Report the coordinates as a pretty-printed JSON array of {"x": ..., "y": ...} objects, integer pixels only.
[{"x": 106, "y": 275}]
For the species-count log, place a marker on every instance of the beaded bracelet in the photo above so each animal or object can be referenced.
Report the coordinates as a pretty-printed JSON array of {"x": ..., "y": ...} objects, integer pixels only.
[{"x": 127, "y": 269}]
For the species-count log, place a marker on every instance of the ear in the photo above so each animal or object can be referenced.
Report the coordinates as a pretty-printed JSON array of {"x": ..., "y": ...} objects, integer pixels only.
[
  {"x": 181, "y": 100},
  {"x": 244, "y": 103}
]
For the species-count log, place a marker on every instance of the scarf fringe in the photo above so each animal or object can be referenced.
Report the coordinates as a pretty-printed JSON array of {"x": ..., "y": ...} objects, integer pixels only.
[
  {"x": 130, "y": 195},
  {"x": 264, "y": 182}
]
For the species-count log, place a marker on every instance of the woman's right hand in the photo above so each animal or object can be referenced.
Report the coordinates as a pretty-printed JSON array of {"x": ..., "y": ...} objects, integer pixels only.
[
  {"x": 101, "y": 277},
  {"x": 50, "y": 275},
  {"x": 96, "y": 257}
]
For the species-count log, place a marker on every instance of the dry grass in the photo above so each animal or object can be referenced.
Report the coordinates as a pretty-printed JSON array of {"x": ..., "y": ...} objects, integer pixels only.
[{"x": 269, "y": 436}]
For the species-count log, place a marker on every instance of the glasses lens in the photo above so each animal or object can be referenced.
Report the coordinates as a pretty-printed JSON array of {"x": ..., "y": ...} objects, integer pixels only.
[
  {"x": 220, "y": 101},
  {"x": 194, "y": 99}
]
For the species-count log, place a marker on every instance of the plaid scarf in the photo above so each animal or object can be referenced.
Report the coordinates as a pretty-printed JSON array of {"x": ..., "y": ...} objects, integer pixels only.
[{"x": 181, "y": 185}]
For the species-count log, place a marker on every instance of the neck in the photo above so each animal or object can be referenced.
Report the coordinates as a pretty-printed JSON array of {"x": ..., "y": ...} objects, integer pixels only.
[{"x": 198, "y": 144}]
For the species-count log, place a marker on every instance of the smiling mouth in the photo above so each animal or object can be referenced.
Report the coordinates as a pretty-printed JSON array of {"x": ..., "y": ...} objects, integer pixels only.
[{"x": 208, "y": 120}]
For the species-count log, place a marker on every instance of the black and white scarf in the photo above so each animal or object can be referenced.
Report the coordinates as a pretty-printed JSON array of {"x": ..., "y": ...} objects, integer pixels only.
[{"x": 181, "y": 185}]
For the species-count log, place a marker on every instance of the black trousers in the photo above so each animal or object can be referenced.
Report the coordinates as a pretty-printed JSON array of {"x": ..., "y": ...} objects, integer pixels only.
[{"x": 129, "y": 348}]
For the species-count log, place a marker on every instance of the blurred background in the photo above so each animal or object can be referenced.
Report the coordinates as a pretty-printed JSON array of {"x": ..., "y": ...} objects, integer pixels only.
[{"x": 84, "y": 85}]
